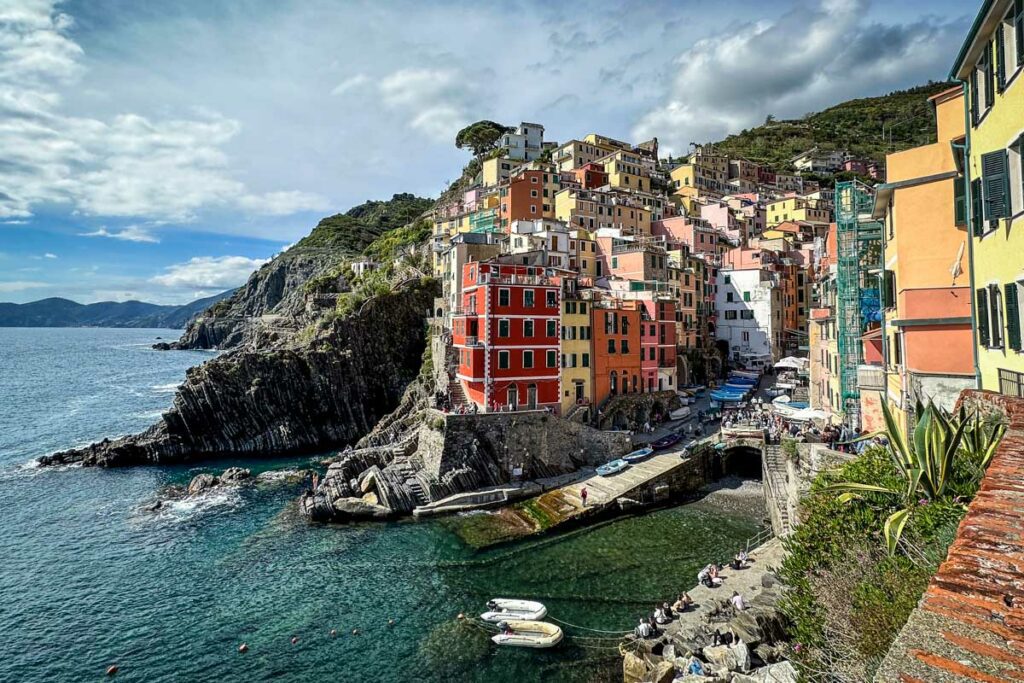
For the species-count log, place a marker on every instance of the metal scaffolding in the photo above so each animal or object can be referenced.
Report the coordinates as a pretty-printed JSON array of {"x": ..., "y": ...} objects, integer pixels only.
[{"x": 859, "y": 246}]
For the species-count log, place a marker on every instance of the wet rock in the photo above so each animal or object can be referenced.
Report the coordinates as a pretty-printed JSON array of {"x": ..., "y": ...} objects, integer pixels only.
[
  {"x": 783, "y": 672},
  {"x": 768, "y": 654},
  {"x": 634, "y": 670},
  {"x": 769, "y": 579},
  {"x": 730, "y": 657},
  {"x": 355, "y": 508},
  {"x": 202, "y": 482},
  {"x": 154, "y": 506},
  {"x": 235, "y": 475},
  {"x": 663, "y": 672}
]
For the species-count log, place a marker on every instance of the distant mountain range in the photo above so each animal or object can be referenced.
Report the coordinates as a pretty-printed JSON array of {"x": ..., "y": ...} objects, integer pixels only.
[{"x": 57, "y": 312}]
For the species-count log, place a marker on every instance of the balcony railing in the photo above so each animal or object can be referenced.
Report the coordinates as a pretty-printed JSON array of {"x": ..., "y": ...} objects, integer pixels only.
[{"x": 871, "y": 377}]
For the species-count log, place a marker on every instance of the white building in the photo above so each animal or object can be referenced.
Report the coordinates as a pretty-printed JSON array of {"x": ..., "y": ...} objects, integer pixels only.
[
  {"x": 526, "y": 143},
  {"x": 818, "y": 161},
  {"x": 541, "y": 234},
  {"x": 749, "y": 314}
]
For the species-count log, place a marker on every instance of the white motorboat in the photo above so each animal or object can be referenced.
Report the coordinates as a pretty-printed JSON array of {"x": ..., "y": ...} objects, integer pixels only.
[
  {"x": 680, "y": 413},
  {"x": 503, "y": 609},
  {"x": 529, "y": 634}
]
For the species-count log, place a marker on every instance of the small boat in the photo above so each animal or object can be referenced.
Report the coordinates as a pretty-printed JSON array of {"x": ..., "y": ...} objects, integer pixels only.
[
  {"x": 746, "y": 373},
  {"x": 613, "y": 467},
  {"x": 680, "y": 413},
  {"x": 638, "y": 455},
  {"x": 529, "y": 634},
  {"x": 667, "y": 441},
  {"x": 502, "y": 609},
  {"x": 742, "y": 380},
  {"x": 726, "y": 397}
]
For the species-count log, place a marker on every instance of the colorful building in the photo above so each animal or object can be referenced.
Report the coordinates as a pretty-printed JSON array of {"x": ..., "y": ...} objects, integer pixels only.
[
  {"x": 506, "y": 334},
  {"x": 615, "y": 326},
  {"x": 926, "y": 295},
  {"x": 577, "y": 349},
  {"x": 989, "y": 65}
]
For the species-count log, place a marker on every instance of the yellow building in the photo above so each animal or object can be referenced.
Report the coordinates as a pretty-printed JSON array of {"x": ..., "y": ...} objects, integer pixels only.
[
  {"x": 583, "y": 256},
  {"x": 595, "y": 209},
  {"x": 496, "y": 171},
  {"x": 989, "y": 65},
  {"x": 577, "y": 361},
  {"x": 579, "y": 153},
  {"x": 797, "y": 209},
  {"x": 691, "y": 180},
  {"x": 626, "y": 171}
]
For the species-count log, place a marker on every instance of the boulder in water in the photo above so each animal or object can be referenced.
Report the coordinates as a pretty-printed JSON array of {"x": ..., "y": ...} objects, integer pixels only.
[
  {"x": 235, "y": 475},
  {"x": 355, "y": 508},
  {"x": 202, "y": 482}
]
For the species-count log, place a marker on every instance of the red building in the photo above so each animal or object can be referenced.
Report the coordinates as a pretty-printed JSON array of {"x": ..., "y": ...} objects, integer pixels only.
[
  {"x": 507, "y": 336},
  {"x": 591, "y": 176},
  {"x": 522, "y": 198},
  {"x": 615, "y": 328},
  {"x": 658, "y": 344}
]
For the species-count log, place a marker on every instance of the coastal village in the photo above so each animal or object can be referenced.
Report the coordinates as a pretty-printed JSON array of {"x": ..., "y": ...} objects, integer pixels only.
[{"x": 597, "y": 327}]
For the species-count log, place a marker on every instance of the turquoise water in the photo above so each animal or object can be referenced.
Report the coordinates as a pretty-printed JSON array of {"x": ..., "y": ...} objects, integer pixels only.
[{"x": 87, "y": 580}]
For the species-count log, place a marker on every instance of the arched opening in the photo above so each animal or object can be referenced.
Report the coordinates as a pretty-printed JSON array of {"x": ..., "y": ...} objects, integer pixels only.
[
  {"x": 740, "y": 461},
  {"x": 614, "y": 379},
  {"x": 512, "y": 396}
]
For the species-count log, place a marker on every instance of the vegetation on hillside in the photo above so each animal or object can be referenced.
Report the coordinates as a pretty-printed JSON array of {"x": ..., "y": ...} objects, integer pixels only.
[
  {"x": 353, "y": 231},
  {"x": 851, "y": 579},
  {"x": 481, "y": 136},
  {"x": 906, "y": 117}
]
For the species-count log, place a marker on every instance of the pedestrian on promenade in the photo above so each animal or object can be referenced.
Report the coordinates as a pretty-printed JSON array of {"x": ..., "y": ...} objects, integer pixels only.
[{"x": 583, "y": 495}]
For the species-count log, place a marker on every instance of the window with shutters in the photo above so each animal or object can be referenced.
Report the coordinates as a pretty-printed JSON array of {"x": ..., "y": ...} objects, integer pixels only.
[
  {"x": 960, "y": 200},
  {"x": 503, "y": 327},
  {"x": 1015, "y": 162},
  {"x": 975, "y": 98},
  {"x": 995, "y": 316},
  {"x": 503, "y": 360},
  {"x": 1013, "y": 322},
  {"x": 527, "y": 328},
  {"x": 996, "y": 185},
  {"x": 553, "y": 359},
  {"x": 527, "y": 359},
  {"x": 1018, "y": 30},
  {"x": 888, "y": 289},
  {"x": 981, "y": 313},
  {"x": 977, "y": 225},
  {"x": 989, "y": 74},
  {"x": 1000, "y": 41}
]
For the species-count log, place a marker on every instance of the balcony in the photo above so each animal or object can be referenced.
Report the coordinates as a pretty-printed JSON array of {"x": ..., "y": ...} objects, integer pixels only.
[{"x": 871, "y": 377}]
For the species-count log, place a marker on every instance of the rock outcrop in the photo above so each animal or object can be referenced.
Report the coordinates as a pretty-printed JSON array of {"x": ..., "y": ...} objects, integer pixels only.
[
  {"x": 432, "y": 455},
  {"x": 314, "y": 392}
]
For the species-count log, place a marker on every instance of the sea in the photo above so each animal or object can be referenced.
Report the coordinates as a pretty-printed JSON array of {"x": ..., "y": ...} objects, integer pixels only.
[{"x": 90, "y": 579}]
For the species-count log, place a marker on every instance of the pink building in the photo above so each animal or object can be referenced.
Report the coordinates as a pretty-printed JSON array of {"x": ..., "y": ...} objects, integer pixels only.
[
  {"x": 693, "y": 232},
  {"x": 721, "y": 217}
]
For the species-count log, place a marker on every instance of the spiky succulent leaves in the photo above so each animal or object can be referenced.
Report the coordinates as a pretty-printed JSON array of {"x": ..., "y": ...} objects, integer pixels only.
[
  {"x": 892, "y": 530},
  {"x": 897, "y": 444}
]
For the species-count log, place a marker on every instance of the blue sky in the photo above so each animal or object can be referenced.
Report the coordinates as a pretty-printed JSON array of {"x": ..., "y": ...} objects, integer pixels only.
[{"x": 162, "y": 151}]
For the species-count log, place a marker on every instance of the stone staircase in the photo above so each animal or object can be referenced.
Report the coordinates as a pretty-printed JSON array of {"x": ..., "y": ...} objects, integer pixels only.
[
  {"x": 775, "y": 481},
  {"x": 458, "y": 395}
]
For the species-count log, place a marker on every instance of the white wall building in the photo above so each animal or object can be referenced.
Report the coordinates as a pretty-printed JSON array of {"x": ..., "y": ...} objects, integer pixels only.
[
  {"x": 541, "y": 234},
  {"x": 526, "y": 143},
  {"x": 749, "y": 313}
]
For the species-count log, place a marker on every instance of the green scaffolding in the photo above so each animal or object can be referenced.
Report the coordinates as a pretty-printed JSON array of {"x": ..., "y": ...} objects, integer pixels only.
[{"x": 859, "y": 245}]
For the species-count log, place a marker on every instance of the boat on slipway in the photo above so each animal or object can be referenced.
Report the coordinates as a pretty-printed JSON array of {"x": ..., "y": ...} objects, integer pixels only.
[
  {"x": 613, "y": 467},
  {"x": 638, "y": 455},
  {"x": 535, "y": 634},
  {"x": 502, "y": 609}
]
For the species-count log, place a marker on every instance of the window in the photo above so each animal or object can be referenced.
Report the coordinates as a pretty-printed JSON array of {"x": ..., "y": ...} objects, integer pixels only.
[
  {"x": 553, "y": 359},
  {"x": 611, "y": 346},
  {"x": 728, "y": 297},
  {"x": 586, "y": 360},
  {"x": 730, "y": 315},
  {"x": 1013, "y": 324},
  {"x": 527, "y": 328},
  {"x": 976, "y": 213},
  {"x": 553, "y": 328},
  {"x": 625, "y": 346},
  {"x": 527, "y": 359},
  {"x": 615, "y": 261},
  {"x": 583, "y": 308},
  {"x": 960, "y": 200},
  {"x": 995, "y": 303},
  {"x": 746, "y": 315},
  {"x": 551, "y": 299},
  {"x": 996, "y": 184},
  {"x": 746, "y": 336},
  {"x": 625, "y": 325},
  {"x": 746, "y": 296},
  {"x": 503, "y": 297},
  {"x": 528, "y": 298},
  {"x": 503, "y": 360},
  {"x": 503, "y": 326}
]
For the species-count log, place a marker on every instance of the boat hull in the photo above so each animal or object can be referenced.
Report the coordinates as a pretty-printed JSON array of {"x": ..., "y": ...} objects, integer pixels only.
[
  {"x": 612, "y": 468},
  {"x": 534, "y": 634},
  {"x": 511, "y": 610}
]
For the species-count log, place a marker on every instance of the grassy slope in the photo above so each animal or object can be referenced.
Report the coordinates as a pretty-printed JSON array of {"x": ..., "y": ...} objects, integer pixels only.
[
  {"x": 353, "y": 231},
  {"x": 855, "y": 125}
]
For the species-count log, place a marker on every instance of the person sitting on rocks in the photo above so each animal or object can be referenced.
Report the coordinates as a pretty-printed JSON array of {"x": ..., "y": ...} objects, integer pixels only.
[
  {"x": 644, "y": 629},
  {"x": 659, "y": 616},
  {"x": 737, "y": 602},
  {"x": 696, "y": 668},
  {"x": 679, "y": 606}
]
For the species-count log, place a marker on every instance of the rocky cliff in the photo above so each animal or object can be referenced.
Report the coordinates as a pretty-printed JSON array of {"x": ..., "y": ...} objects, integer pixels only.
[
  {"x": 324, "y": 387},
  {"x": 275, "y": 303}
]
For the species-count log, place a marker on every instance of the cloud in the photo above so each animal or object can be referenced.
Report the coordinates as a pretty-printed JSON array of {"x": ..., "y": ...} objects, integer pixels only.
[
  {"x": 20, "y": 285},
  {"x": 132, "y": 233},
  {"x": 49, "y": 255},
  {"x": 283, "y": 203},
  {"x": 437, "y": 101},
  {"x": 350, "y": 83},
  {"x": 209, "y": 272},
  {"x": 128, "y": 165},
  {"x": 808, "y": 58}
]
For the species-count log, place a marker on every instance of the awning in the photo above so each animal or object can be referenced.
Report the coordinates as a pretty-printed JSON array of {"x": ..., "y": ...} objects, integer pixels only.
[{"x": 791, "y": 362}]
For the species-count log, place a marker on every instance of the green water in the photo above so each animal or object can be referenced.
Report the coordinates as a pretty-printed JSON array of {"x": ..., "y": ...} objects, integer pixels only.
[{"x": 88, "y": 579}]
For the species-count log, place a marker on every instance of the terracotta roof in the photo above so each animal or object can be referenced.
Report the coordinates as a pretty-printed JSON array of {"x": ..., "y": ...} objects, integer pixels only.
[{"x": 969, "y": 625}]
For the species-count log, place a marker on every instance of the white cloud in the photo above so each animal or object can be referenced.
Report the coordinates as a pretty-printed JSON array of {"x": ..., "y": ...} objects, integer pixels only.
[
  {"x": 20, "y": 285},
  {"x": 132, "y": 233},
  {"x": 49, "y": 255},
  {"x": 129, "y": 165},
  {"x": 350, "y": 83},
  {"x": 807, "y": 59},
  {"x": 209, "y": 272},
  {"x": 435, "y": 100},
  {"x": 283, "y": 203}
]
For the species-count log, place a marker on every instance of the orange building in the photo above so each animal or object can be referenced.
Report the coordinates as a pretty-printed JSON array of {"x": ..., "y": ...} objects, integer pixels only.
[
  {"x": 528, "y": 195},
  {"x": 615, "y": 328},
  {"x": 926, "y": 293}
]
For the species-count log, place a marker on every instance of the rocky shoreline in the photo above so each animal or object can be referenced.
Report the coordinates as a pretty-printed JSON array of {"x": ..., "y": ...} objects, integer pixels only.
[{"x": 299, "y": 396}]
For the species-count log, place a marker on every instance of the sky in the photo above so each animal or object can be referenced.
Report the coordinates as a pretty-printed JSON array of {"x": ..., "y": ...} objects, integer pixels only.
[{"x": 163, "y": 151}]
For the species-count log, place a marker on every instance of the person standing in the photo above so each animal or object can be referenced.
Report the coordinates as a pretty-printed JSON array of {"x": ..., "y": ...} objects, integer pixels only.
[{"x": 583, "y": 495}]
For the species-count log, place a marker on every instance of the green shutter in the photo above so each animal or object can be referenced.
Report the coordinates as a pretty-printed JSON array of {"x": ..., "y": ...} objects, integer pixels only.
[
  {"x": 1018, "y": 29},
  {"x": 1012, "y": 316},
  {"x": 975, "y": 105},
  {"x": 888, "y": 289},
  {"x": 990, "y": 76},
  {"x": 960, "y": 200},
  {"x": 976, "y": 214},
  {"x": 1000, "y": 59},
  {"x": 981, "y": 313},
  {"x": 996, "y": 184}
]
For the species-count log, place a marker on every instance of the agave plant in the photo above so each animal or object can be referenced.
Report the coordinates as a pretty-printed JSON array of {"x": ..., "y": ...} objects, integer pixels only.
[
  {"x": 925, "y": 461},
  {"x": 981, "y": 438}
]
